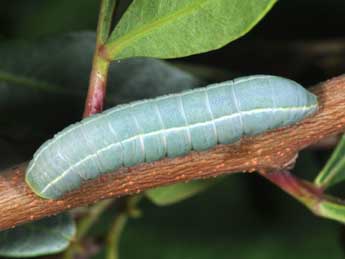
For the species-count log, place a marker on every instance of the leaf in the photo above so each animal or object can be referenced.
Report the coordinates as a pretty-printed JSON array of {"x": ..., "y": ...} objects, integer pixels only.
[
  {"x": 32, "y": 71},
  {"x": 47, "y": 236},
  {"x": 167, "y": 195},
  {"x": 334, "y": 170},
  {"x": 332, "y": 210},
  {"x": 147, "y": 78},
  {"x": 33, "y": 74},
  {"x": 27, "y": 67},
  {"x": 170, "y": 29}
]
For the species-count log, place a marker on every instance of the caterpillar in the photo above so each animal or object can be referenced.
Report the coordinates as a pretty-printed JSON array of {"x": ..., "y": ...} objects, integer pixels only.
[{"x": 167, "y": 126}]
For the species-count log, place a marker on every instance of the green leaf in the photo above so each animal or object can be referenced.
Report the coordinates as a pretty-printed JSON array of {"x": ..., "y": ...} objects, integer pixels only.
[
  {"x": 171, "y": 194},
  {"x": 170, "y": 29},
  {"x": 47, "y": 236},
  {"x": 334, "y": 170}
]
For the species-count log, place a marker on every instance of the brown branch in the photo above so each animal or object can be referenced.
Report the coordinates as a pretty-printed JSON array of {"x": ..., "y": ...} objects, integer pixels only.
[{"x": 270, "y": 151}]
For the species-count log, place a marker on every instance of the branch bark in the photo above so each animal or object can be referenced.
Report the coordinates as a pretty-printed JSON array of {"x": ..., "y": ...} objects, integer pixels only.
[{"x": 268, "y": 152}]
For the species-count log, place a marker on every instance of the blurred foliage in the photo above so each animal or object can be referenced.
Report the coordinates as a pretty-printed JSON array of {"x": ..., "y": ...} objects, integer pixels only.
[
  {"x": 167, "y": 195},
  {"x": 334, "y": 170},
  {"x": 242, "y": 217},
  {"x": 46, "y": 236},
  {"x": 239, "y": 218},
  {"x": 63, "y": 64},
  {"x": 32, "y": 18}
]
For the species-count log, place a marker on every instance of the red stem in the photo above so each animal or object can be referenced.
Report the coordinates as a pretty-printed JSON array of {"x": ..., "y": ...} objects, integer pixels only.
[
  {"x": 97, "y": 86},
  {"x": 302, "y": 190}
]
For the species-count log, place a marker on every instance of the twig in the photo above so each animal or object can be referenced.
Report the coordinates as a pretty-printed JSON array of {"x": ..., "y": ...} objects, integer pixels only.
[
  {"x": 268, "y": 152},
  {"x": 113, "y": 239},
  {"x": 85, "y": 224},
  {"x": 126, "y": 209},
  {"x": 326, "y": 143},
  {"x": 100, "y": 66},
  {"x": 310, "y": 195}
]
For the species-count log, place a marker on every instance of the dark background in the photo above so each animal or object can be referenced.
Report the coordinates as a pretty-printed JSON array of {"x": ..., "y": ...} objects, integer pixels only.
[{"x": 244, "y": 216}]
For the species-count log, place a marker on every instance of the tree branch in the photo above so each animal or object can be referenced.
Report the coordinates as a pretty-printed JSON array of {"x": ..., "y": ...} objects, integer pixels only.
[{"x": 268, "y": 152}]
